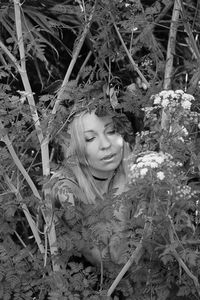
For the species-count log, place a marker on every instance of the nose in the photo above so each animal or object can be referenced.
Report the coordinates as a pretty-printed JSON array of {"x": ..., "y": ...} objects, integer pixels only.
[{"x": 104, "y": 142}]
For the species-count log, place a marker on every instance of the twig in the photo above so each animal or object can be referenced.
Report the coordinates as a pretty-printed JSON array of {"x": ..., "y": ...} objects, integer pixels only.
[
  {"x": 189, "y": 31},
  {"x": 186, "y": 269},
  {"x": 130, "y": 57},
  {"x": 83, "y": 65},
  {"x": 10, "y": 55},
  {"x": 22, "y": 242},
  {"x": 196, "y": 76},
  {"x": 101, "y": 278},
  {"x": 18, "y": 163},
  {"x": 180, "y": 261},
  {"x": 73, "y": 61},
  {"x": 138, "y": 252},
  {"x": 27, "y": 213},
  {"x": 134, "y": 257},
  {"x": 150, "y": 26}
]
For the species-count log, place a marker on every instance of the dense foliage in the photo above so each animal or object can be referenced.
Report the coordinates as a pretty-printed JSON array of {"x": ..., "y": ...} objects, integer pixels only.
[{"x": 48, "y": 49}]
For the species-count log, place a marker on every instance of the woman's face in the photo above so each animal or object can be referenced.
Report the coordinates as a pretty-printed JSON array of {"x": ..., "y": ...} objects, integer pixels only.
[{"x": 104, "y": 146}]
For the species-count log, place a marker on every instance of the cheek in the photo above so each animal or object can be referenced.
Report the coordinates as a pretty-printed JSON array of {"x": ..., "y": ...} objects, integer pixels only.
[
  {"x": 119, "y": 142},
  {"x": 90, "y": 151}
]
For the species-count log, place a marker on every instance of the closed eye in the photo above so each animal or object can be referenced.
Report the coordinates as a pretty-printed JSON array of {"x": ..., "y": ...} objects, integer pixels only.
[{"x": 89, "y": 139}]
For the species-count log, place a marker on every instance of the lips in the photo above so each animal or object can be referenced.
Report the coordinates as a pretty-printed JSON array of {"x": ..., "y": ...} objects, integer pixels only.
[{"x": 107, "y": 157}]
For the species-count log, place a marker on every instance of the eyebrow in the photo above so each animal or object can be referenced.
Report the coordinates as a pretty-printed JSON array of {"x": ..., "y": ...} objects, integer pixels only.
[{"x": 110, "y": 123}]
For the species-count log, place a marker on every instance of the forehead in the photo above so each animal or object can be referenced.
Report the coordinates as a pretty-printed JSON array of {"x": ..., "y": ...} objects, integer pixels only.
[{"x": 92, "y": 122}]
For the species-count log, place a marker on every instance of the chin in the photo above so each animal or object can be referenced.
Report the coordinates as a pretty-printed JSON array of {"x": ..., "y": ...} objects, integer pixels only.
[{"x": 111, "y": 167}]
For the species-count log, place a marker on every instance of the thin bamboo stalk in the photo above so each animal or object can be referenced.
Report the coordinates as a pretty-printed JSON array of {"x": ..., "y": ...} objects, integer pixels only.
[
  {"x": 171, "y": 45},
  {"x": 47, "y": 210},
  {"x": 170, "y": 56}
]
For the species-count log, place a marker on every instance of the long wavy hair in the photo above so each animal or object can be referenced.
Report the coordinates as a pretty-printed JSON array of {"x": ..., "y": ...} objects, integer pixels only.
[{"x": 81, "y": 170}]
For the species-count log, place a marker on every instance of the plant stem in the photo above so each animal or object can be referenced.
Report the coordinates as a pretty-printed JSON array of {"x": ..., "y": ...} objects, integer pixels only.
[
  {"x": 10, "y": 55},
  {"x": 179, "y": 259},
  {"x": 171, "y": 45},
  {"x": 44, "y": 143},
  {"x": 137, "y": 253},
  {"x": 28, "y": 90},
  {"x": 27, "y": 214},
  {"x": 170, "y": 56},
  {"x": 130, "y": 57},
  {"x": 73, "y": 61},
  {"x": 148, "y": 29},
  {"x": 18, "y": 163},
  {"x": 22, "y": 242},
  {"x": 83, "y": 65},
  {"x": 196, "y": 76}
]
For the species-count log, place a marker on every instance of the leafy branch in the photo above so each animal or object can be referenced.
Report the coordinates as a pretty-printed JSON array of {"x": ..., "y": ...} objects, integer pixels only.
[
  {"x": 179, "y": 259},
  {"x": 29, "y": 218},
  {"x": 74, "y": 59},
  {"x": 17, "y": 161},
  {"x": 137, "y": 253},
  {"x": 129, "y": 56}
]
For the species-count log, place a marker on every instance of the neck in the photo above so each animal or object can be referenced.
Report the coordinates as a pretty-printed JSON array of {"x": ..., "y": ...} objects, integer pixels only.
[{"x": 103, "y": 182}]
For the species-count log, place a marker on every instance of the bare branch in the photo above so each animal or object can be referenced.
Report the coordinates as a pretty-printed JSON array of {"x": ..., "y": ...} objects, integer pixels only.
[{"x": 171, "y": 45}]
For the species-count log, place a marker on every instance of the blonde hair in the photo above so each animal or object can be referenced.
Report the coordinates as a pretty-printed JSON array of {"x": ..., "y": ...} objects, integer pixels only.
[{"x": 77, "y": 152}]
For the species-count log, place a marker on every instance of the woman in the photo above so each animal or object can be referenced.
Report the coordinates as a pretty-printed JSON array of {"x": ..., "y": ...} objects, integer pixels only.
[{"x": 94, "y": 173}]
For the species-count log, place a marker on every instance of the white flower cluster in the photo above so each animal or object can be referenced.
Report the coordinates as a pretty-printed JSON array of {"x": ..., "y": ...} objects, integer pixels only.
[
  {"x": 147, "y": 161},
  {"x": 184, "y": 191},
  {"x": 170, "y": 98}
]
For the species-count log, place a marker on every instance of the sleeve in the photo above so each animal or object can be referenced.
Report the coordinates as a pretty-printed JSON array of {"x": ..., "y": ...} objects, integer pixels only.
[
  {"x": 63, "y": 189},
  {"x": 62, "y": 192}
]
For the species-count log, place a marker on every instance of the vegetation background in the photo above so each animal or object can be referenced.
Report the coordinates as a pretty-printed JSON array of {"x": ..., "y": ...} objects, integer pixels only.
[{"x": 47, "y": 50}]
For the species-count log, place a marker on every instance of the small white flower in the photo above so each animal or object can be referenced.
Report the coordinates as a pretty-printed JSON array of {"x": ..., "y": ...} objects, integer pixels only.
[
  {"x": 180, "y": 138},
  {"x": 153, "y": 165},
  {"x": 165, "y": 102},
  {"x": 132, "y": 168},
  {"x": 140, "y": 164},
  {"x": 179, "y": 92},
  {"x": 165, "y": 93},
  {"x": 184, "y": 131},
  {"x": 143, "y": 171},
  {"x": 159, "y": 159},
  {"x": 160, "y": 175},
  {"x": 157, "y": 100},
  {"x": 186, "y": 104},
  {"x": 188, "y": 97}
]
